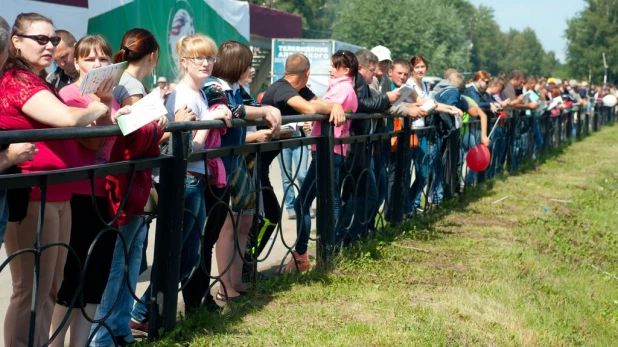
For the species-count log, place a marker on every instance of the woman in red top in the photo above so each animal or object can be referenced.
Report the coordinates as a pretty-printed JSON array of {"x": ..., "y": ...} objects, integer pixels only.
[{"x": 29, "y": 103}]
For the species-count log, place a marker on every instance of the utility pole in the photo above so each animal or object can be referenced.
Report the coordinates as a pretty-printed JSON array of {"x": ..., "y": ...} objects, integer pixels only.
[{"x": 605, "y": 65}]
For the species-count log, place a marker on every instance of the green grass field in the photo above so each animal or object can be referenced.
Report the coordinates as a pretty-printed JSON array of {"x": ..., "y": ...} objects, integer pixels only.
[{"x": 535, "y": 269}]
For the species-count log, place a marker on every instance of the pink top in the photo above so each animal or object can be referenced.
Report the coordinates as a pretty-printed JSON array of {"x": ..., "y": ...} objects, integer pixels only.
[
  {"x": 340, "y": 91},
  {"x": 18, "y": 87},
  {"x": 215, "y": 165},
  {"x": 72, "y": 96}
]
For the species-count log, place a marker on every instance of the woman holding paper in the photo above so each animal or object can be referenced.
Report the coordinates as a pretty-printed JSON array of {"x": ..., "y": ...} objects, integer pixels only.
[
  {"x": 91, "y": 52},
  {"x": 140, "y": 50},
  {"x": 27, "y": 102},
  {"x": 204, "y": 180}
]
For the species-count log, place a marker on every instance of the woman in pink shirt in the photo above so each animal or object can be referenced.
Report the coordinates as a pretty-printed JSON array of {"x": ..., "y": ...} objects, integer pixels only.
[
  {"x": 28, "y": 102},
  {"x": 343, "y": 69},
  {"x": 87, "y": 219}
]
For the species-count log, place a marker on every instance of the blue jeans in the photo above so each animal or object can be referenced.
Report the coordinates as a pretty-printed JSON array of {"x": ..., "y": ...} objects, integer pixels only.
[
  {"x": 538, "y": 136},
  {"x": 436, "y": 191},
  {"x": 358, "y": 209},
  {"x": 468, "y": 141},
  {"x": 518, "y": 150},
  {"x": 497, "y": 149},
  {"x": 292, "y": 161},
  {"x": 4, "y": 215},
  {"x": 134, "y": 234},
  {"x": 190, "y": 256},
  {"x": 306, "y": 196},
  {"x": 422, "y": 162}
]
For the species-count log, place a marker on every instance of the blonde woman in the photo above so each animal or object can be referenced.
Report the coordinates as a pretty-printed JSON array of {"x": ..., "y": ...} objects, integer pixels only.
[{"x": 197, "y": 55}]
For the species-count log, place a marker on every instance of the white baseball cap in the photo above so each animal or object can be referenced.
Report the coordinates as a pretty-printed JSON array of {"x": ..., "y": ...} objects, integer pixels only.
[
  {"x": 162, "y": 79},
  {"x": 382, "y": 53}
]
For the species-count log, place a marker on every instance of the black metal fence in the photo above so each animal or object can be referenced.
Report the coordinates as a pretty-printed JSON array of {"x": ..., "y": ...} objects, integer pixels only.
[{"x": 401, "y": 177}]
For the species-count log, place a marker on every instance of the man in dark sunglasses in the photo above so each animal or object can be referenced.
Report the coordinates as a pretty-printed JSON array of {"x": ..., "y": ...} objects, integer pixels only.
[{"x": 65, "y": 73}]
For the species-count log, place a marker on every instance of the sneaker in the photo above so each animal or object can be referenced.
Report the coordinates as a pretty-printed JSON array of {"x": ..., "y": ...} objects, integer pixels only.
[
  {"x": 138, "y": 329},
  {"x": 122, "y": 341},
  {"x": 300, "y": 262},
  {"x": 291, "y": 215}
]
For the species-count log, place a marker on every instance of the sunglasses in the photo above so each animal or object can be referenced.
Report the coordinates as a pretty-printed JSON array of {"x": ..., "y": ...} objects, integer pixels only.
[{"x": 42, "y": 39}]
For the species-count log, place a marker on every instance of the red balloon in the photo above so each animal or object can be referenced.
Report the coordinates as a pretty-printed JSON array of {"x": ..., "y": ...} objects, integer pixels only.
[
  {"x": 478, "y": 158},
  {"x": 259, "y": 97}
]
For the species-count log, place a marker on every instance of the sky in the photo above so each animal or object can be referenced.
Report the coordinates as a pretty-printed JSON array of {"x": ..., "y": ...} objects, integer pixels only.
[{"x": 546, "y": 17}]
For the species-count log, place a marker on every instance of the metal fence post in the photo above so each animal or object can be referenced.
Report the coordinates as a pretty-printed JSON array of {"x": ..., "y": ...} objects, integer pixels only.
[
  {"x": 595, "y": 118},
  {"x": 401, "y": 158},
  {"x": 166, "y": 264},
  {"x": 326, "y": 189}
]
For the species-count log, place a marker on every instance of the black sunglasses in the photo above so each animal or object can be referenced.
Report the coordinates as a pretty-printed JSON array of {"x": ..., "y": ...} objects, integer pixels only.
[{"x": 42, "y": 39}]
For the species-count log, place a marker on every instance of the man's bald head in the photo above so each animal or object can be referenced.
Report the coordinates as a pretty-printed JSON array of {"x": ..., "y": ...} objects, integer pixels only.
[{"x": 296, "y": 64}]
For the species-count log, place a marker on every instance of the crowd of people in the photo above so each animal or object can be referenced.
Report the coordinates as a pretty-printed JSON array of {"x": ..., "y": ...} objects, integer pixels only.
[{"x": 212, "y": 85}]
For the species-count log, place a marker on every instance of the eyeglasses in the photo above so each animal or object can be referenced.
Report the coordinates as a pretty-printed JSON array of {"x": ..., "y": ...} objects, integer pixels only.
[
  {"x": 42, "y": 39},
  {"x": 200, "y": 59},
  {"x": 368, "y": 69}
]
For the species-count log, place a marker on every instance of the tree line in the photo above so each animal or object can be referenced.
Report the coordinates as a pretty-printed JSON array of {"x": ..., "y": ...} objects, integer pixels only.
[{"x": 455, "y": 33}]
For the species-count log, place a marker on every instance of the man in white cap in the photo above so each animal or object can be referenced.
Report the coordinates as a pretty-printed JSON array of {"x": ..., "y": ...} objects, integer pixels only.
[
  {"x": 381, "y": 81},
  {"x": 161, "y": 88}
]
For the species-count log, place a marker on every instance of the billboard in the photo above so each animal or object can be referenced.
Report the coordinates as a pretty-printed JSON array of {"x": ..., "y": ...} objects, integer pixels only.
[{"x": 318, "y": 52}]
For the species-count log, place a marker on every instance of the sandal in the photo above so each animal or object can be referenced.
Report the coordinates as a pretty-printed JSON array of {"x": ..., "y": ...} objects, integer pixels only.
[{"x": 224, "y": 298}]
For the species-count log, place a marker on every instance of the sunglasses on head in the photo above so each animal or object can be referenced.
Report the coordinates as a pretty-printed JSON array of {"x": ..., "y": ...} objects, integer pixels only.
[{"x": 42, "y": 39}]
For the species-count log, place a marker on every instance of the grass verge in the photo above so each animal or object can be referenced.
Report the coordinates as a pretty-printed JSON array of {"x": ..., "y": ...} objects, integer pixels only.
[{"x": 536, "y": 268}]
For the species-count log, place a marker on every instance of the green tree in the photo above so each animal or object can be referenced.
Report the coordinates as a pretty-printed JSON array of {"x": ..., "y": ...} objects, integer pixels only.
[
  {"x": 317, "y": 15},
  {"x": 487, "y": 40},
  {"x": 433, "y": 29},
  {"x": 589, "y": 34},
  {"x": 522, "y": 51}
]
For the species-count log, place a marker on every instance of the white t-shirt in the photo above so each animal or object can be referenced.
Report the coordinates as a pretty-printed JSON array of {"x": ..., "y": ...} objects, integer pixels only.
[
  {"x": 184, "y": 95},
  {"x": 423, "y": 93}
]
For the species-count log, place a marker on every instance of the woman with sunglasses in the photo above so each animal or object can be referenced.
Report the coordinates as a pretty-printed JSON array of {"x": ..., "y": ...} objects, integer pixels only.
[
  {"x": 27, "y": 102},
  {"x": 343, "y": 70},
  {"x": 196, "y": 54}
]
